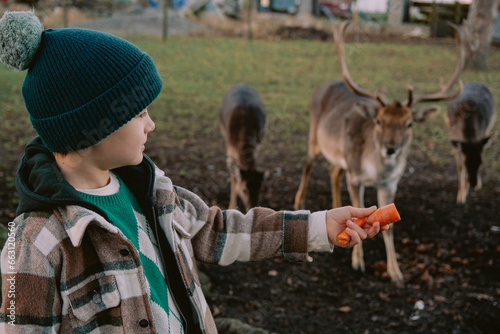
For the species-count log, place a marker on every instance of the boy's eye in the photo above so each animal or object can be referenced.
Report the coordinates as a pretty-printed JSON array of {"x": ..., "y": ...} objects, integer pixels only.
[{"x": 143, "y": 114}]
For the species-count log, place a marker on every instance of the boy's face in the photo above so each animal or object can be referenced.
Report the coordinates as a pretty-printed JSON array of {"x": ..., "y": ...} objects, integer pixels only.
[{"x": 125, "y": 146}]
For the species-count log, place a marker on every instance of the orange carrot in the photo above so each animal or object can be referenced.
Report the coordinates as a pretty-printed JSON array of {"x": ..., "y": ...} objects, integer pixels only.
[{"x": 385, "y": 215}]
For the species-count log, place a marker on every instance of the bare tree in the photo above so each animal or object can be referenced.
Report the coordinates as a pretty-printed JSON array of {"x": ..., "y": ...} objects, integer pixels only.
[{"x": 480, "y": 21}]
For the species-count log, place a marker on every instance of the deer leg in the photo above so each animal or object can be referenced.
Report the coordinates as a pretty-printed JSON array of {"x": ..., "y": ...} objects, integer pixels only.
[
  {"x": 392, "y": 262},
  {"x": 233, "y": 194},
  {"x": 357, "y": 257},
  {"x": 384, "y": 197},
  {"x": 462, "y": 179},
  {"x": 301, "y": 193},
  {"x": 356, "y": 193},
  {"x": 479, "y": 184},
  {"x": 335, "y": 180}
]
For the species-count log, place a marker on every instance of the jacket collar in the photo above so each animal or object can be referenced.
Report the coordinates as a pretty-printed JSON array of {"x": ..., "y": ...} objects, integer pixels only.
[{"x": 75, "y": 220}]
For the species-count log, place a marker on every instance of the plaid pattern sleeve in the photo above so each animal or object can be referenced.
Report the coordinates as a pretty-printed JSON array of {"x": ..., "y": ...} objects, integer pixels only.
[{"x": 223, "y": 237}]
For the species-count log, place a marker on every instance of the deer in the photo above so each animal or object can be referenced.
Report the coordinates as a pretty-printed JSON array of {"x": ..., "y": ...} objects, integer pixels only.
[
  {"x": 242, "y": 121},
  {"x": 368, "y": 139},
  {"x": 470, "y": 118}
]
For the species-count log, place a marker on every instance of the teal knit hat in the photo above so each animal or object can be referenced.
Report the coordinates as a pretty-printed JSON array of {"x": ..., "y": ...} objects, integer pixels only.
[{"x": 81, "y": 84}]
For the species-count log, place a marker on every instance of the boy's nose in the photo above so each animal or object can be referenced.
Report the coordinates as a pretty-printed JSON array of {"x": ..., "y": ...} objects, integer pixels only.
[{"x": 150, "y": 126}]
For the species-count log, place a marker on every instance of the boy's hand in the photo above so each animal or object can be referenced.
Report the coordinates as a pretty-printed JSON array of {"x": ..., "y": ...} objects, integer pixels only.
[{"x": 341, "y": 218}]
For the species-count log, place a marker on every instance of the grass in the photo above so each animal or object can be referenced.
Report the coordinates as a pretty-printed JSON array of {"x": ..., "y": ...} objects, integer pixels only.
[{"x": 198, "y": 71}]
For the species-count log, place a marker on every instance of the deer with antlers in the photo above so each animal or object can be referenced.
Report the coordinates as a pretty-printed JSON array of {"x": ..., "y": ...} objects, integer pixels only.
[{"x": 364, "y": 136}]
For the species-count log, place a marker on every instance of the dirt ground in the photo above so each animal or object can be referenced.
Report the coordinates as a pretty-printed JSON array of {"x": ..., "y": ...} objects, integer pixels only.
[{"x": 449, "y": 255}]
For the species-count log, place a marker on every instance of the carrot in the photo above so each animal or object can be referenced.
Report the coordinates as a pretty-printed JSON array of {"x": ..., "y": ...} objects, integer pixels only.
[{"x": 385, "y": 215}]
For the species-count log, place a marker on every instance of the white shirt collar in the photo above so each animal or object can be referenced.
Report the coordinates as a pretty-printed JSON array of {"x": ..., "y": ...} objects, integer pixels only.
[{"x": 111, "y": 188}]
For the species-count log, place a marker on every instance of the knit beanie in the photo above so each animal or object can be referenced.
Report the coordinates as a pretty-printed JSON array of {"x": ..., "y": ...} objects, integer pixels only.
[{"x": 81, "y": 84}]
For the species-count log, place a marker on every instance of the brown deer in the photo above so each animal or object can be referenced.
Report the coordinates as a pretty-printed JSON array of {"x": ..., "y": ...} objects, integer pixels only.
[
  {"x": 470, "y": 118},
  {"x": 368, "y": 138},
  {"x": 242, "y": 121}
]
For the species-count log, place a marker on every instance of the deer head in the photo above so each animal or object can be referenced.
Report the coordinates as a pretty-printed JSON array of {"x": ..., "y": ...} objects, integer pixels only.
[{"x": 393, "y": 121}]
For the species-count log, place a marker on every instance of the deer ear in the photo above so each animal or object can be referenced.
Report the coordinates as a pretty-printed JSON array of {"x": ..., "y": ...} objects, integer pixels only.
[
  {"x": 366, "y": 109},
  {"x": 424, "y": 114},
  {"x": 487, "y": 140}
]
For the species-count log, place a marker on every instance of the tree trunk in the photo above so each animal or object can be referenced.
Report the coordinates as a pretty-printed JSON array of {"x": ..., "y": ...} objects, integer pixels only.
[
  {"x": 395, "y": 12},
  {"x": 249, "y": 18},
  {"x": 306, "y": 8},
  {"x": 480, "y": 21}
]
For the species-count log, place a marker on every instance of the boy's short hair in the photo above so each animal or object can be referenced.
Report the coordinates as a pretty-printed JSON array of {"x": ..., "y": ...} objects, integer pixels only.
[{"x": 81, "y": 84}]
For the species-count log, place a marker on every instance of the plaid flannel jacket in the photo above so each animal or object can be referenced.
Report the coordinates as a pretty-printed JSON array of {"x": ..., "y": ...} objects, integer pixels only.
[{"x": 70, "y": 270}]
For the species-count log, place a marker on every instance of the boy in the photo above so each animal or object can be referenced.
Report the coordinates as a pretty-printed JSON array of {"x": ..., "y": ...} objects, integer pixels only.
[{"x": 103, "y": 242}]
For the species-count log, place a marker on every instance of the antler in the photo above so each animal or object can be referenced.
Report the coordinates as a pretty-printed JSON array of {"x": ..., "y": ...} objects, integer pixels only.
[
  {"x": 350, "y": 83},
  {"x": 445, "y": 92}
]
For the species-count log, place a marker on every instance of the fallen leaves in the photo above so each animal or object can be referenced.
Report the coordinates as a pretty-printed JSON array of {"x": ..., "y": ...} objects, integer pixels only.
[
  {"x": 344, "y": 309},
  {"x": 272, "y": 273}
]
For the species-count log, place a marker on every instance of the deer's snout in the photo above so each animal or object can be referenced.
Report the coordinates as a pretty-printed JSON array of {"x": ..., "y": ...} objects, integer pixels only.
[{"x": 390, "y": 150}]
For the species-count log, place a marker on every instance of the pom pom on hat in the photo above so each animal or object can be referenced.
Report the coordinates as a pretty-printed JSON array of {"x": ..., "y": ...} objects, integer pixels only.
[
  {"x": 81, "y": 85},
  {"x": 20, "y": 37}
]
